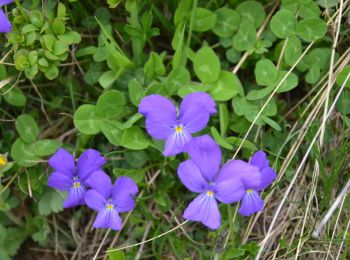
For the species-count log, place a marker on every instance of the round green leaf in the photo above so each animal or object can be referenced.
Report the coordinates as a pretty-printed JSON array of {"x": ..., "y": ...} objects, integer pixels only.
[
  {"x": 86, "y": 120},
  {"x": 226, "y": 87},
  {"x": 227, "y": 22},
  {"x": 289, "y": 83},
  {"x": 311, "y": 29},
  {"x": 177, "y": 78},
  {"x": 343, "y": 75},
  {"x": 309, "y": 10},
  {"x": 110, "y": 104},
  {"x": 27, "y": 128},
  {"x": 46, "y": 147},
  {"x": 15, "y": 97},
  {"x": 283, "y": 23},
  {"x": 108, "y": 78},
  {"x": 292, "y": 50},
  {"x": 265, "y": 72},
  {"x": 343, "y": 103},
  {"x": 204, "y": 20},
  {"x": 313, "y": 74},
  {"x": 23, "y": 153},
  {"x": 245, "y": 38},
  {"x": 206, "y": 65},
  {"x": 133, "y": 138},
  {"x": 252, "y": 11},
  {"x": 112, "y": 131}
]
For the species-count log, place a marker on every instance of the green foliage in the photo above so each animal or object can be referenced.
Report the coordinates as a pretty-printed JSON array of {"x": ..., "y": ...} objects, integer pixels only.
[{"x": 73, "y": 73}]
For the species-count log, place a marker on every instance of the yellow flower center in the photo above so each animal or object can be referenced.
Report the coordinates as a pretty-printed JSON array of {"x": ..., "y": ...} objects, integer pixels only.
[
  {"x": 110, "y": 206},
  {"x": 76, "y": 184},
  {"x": 249, "y": 191},
  {"x": 3, "y": 161},
  {"x": 210, "y": 193},
  {"x": 178, "y": 129}
]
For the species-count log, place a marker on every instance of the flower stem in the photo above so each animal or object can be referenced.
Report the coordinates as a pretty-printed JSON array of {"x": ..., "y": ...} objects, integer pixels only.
[
  {"x": 231, "y": 223},
  {"x": 19, "y": 6}
]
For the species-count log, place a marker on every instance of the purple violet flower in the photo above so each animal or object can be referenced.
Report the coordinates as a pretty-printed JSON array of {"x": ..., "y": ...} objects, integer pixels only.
[
  {"x": 163, "y": 121},
  {"x": 251, "y": 200},
  {"x": 72, "y": 179},
  {"x": 110, "y": 200},
  {"x": 5, "y": 25},
  {"x": 201, "y": 174}
]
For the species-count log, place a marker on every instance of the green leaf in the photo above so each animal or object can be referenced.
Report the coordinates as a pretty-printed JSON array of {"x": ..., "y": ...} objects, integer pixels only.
[
  {"x": 283, "y": 23},
  {"x": 235, "y": 141},
  {"x": 245, "y": 38},
  {"x": 343, "y": 103},
  {"x": 271, "y": 123},
  {"x": 51, "y": 202},
  {"x": 265, "y": 72},
  {"x": 183, "y": 11},
  {"x": 224, "y": 118},
  {"x": 256, "y": 94},
  {"x": 14, "y": 97},
  {"x": 51, "y": 72},
  {"x": 110, "y": 104},
  {"x": 86, "y": 120},
  {"x": 311, "y": 29},
  {"x": 206, "y": 65},
  {"x": 227, "y": 22},
  {"x": 116, "y": 255},
  {"x": 343, "y": 74},
  {"x": 177, "y": 78},
  {"x": 288, "y": 84},
  {"x": 23, "y": 153},
  {"x": 204, "y": 20},
  {"x": 113, "y": 3},
  {"x": 46, "y": 147},
  {"x": 134, "y": 139},
  {"x": 136, "y": 92},
  {"x": 313, "y": 75},
  {"x": 154, "y": 67},
  {"x": 27, "y": 128},
  {"x": 219, "y": 139},
  {"x": 227, "y": 86},
  {"x": 58, "y": 26},
  {"x": 292, "y": 50},
  {"x": 108, "y": 78},
  {"x": 252, "y": 11},
  {"x": 328, "y": 3},
  {"x": 113, "y": 131},
  {"x": 309, "y": 10}
]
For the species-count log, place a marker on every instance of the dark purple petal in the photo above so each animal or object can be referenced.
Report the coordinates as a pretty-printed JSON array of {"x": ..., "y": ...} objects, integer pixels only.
[
  {"x": 75, "y": 197},
  {"x": 100, "y": 182},
  {"x": 204, "y": 208},
  {"x": 123, "y": 193},
  {"x": 160, "y": 128},
  {"x": 176, "y": 142},
  {"x": 5, "y": 2},
  {"x": 94, "y": 200},
  {"x": 251, "y": 203},
  {"x": 202, "y": 98},
  {"x": 89, "y": 161},
  {"x": 267, "y": 177},
  {"x": 206, "y": 153},
  {"x": 249, "y": 174},
  {"x": 259, "y": 160},
  {"x": 107, "y": 218},
  {"x": 60, "y": 181},
  {"x": 157, "y": 106},
  {"x": 63, "y": 162},
  {"x": 194, "y": 119},
  {"x": 191, "y": 177}
]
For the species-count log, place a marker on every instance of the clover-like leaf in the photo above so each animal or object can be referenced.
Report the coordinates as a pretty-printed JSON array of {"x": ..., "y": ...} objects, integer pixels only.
[
  {"x": 206, "y": 65},
  {"x": 311, "y": 29},
  {"x": 283, "y": 23}
]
